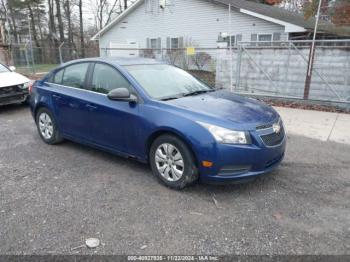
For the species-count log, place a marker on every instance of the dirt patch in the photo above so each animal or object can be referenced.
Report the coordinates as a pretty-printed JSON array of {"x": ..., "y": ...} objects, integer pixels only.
[{"x": 306, "y": 105}]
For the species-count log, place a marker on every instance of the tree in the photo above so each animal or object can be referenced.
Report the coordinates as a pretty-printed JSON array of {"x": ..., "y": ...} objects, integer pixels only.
[
  {"x": 3, "y": 20},
  {"x": 68, "y": 13},
  {"x": 340, "y": 15},
  {"x": 105, "y": 10},
  {"x": 82, "y": 44},
  {"x": 310, "y": 8},
  {"x": 273, "y": 2},
  {"x": 59, "y": 20},
  {"x": 13, "y": 23},
  {"x": 52, "y": 24},
  {"x": 337, "y": 11},
  {"x": 269, "y": 2},
  {"x": 29, "y": 7}
]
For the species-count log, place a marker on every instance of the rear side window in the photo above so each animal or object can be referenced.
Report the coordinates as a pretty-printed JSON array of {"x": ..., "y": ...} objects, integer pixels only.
[
  {"x": 74, "y": 75},
  {"x": 105, "y": 78}
]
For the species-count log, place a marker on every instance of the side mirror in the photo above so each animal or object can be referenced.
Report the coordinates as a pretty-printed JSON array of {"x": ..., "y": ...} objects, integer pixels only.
[
  {"x": 12, "y": 68},
  {"x": 122, "y": 94}
]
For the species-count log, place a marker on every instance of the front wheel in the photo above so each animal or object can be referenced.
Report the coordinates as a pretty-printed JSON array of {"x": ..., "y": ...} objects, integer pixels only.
[
  {"x": 172, "y": 162},
  {"x": 47, "y": 127}
]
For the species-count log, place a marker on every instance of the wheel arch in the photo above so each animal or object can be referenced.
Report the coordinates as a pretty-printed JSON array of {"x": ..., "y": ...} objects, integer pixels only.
[
  {"x": 172, "y": 132},
  {"x": 39, "y": 106}
]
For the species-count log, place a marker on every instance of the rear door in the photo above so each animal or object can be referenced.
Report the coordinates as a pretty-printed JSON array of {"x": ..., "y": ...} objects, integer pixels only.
[{"x": 69, "y": 98}]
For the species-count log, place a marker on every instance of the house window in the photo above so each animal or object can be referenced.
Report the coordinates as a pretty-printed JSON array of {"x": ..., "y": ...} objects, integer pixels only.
[
  {"x": 233, "y": 40},
  {"x": 265, "y": 38},
  {"x": 154, "y": 43},
  {"x": 174, "y": 43}
]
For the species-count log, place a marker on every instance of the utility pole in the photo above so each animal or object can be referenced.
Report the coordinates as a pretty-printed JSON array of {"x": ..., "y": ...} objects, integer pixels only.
[
  {"x": 31, "y": 43},
  {"x": 230, "y": 43},
  {"x": 311, "y": 55}
]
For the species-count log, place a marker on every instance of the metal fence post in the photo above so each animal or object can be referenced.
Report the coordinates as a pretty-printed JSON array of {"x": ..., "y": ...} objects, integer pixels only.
[
  {"x": 60, "y": 52},
  {"x": 311, "y": 55},
  {"x": 286, "y": 69},
  {"x": 238, "y": 66},
  {"x": 31, "y": 45},
  {"x": 26, "y": 55},
  {"x": 346, "y": 74},
  {"x": 230, "y": 43}
]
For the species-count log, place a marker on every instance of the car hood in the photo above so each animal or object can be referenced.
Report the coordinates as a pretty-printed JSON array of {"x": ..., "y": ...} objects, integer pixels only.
[
  {"x": 224, "y": 105},
  {"x": 11, "y": 79}
]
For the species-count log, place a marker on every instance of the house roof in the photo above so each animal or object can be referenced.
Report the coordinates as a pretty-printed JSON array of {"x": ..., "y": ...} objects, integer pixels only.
[
  {"x": 285, "y": 16},
  {"x": 295, "y": 22}
]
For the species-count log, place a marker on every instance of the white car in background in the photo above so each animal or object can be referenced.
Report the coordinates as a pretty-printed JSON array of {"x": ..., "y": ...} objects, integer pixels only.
[{"x": 13, "y": 86}]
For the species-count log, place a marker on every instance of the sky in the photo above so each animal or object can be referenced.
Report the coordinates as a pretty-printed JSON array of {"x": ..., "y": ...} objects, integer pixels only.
[{"x": 89, "y": 11}]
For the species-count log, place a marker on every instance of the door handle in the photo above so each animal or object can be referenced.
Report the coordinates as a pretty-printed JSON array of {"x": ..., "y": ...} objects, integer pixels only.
[
  {"x": 91, "y": 107},
  {"x": 56, "y": 96}
]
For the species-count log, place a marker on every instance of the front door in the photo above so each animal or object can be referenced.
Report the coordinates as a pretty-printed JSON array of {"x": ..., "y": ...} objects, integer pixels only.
[{"x": 112, "y": 124}]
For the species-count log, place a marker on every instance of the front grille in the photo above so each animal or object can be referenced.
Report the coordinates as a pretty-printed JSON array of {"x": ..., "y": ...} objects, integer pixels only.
[
  {"x": 233, "y": 170},
  {"x": 8, "y": 90},
  {"x": 274, "y": 138},
  {"x": 264, "y": 126}
]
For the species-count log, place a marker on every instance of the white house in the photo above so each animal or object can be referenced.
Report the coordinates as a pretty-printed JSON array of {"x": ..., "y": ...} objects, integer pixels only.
[{"x": 178, "y": 23}]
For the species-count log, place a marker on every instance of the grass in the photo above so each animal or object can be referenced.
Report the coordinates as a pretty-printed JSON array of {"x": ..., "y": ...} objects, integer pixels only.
[
  {"x": 45, "y": 67},
  {"x": 39, "y": 69}
]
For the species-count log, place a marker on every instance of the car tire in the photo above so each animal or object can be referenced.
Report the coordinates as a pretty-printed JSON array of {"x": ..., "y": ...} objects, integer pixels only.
[
  {"x": 47, "y": 127},
  {"x": 172, "y": 162}
]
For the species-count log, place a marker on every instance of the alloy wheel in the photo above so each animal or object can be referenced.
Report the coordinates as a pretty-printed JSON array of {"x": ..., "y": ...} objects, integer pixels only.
[{"x": 45, "y": 125}]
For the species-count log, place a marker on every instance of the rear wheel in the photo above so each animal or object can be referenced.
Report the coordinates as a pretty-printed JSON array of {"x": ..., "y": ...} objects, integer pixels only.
[
  {"x": 47, "y": 127},
  {"x": 172, "y": 162}
]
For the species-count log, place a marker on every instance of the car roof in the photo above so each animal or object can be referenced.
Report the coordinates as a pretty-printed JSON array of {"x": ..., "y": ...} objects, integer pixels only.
[{"x": 122, "y": 61}]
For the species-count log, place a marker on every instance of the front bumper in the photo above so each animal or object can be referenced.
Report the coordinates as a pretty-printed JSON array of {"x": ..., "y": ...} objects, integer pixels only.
[
  {"x": 235, "y": 163},
  {"x": 17, "y": 96}
]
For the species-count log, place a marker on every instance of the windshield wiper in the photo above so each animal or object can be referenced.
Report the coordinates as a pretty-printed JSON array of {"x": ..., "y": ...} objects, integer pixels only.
[
  {"x": 198, "y": 92},
  {"x": 170, "y": 98}
]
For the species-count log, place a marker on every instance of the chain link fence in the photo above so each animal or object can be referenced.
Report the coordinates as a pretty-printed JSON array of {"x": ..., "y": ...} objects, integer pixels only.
[
  {"x": 31, "y": 61},
  {"x": 273, "y": 69},
  {"x": 279, "y": 69}
]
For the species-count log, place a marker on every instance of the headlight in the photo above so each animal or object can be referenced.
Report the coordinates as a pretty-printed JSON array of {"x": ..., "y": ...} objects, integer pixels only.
[
  {"x": 25, "y": 85},
  {"x": 227, "y": 136}
]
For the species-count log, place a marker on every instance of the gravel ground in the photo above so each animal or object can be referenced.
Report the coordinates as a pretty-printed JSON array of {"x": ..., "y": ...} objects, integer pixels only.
[{"x": 54, "y": 197}]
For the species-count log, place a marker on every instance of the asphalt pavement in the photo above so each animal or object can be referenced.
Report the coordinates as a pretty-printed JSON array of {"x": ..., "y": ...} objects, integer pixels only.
[{"x": 52, "y": 198}]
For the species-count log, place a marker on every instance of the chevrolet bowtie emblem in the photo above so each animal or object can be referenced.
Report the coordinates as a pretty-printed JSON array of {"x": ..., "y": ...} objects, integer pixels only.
[{"x": 276, "y": 128}]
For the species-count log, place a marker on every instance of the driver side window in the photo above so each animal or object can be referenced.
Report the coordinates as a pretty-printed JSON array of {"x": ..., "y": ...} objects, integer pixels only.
[{"x": 105, "y": 78}]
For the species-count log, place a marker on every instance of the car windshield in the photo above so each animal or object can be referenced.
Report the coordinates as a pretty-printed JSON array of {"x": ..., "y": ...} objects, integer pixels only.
[
  {"x": 165, "y": 82},
  {"x": 3, "y": 69}
]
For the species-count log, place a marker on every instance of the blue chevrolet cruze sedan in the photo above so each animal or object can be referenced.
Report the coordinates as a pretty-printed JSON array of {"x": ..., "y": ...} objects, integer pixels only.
[{"x": 161, "y": 115}]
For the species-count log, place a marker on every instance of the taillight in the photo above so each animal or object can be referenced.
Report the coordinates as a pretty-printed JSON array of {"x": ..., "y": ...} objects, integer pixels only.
[{"x": 30, "y": 87}]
